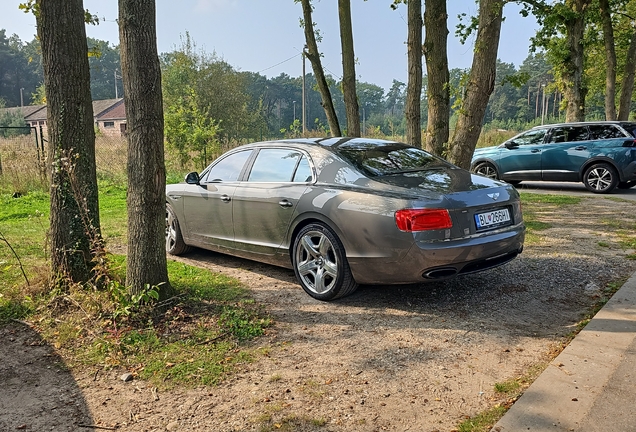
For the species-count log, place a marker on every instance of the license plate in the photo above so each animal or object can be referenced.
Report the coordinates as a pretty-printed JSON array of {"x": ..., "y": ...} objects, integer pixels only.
[{"x": 492, "y": 218}]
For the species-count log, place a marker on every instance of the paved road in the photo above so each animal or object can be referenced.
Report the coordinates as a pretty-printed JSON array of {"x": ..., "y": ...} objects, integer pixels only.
[{"x": 572, "y": 189}]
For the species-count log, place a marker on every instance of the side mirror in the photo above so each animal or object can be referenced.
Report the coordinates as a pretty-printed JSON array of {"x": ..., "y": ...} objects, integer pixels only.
[
  {"x": 192, "y": 178},
  {"x": 511, "y": 145}
]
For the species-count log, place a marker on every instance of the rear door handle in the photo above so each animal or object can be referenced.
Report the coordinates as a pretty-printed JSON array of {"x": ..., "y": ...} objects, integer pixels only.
[
  {"x": 580, "y": 148},
  {"x": 535, "y": 151},
  {"x": 225, "y": 198},
  {"x": 285, "y": 203}
]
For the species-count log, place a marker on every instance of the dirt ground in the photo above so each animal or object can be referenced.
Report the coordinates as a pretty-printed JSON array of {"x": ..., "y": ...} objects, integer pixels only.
[{"x": 400, "y": 358}]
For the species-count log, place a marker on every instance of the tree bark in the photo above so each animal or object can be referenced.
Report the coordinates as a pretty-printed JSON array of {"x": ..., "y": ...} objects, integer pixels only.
[
  {"x": 314, "y": 58},
  {"x": 610, "y": 58},
  {"x": 627, "y": 84},
  {"x": 146, "y": 259},
  {"x": 412, "y": 110},
  {"x": 435, "y": 51},
  {"x": 574, "y": 89},
  {"x": 480, "y": 85},
  {"x": 348, "y": 69},
  {"x": 74, "y": 231}
]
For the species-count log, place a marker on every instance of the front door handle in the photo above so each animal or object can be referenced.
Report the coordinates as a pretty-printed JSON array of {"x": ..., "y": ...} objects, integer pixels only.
[
  {"x": 225, "y": 198},
  {"x": 285, "y": 203},
  {"x": 535, "y": 151}
]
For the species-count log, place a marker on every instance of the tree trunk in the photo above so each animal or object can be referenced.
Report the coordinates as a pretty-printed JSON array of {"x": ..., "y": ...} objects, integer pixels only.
[
  {"x": 610, "y": 58},
  {"x": 435, "y": 51},
  {"x": 627, "y": 85},
  {"x": 412, "y": 110},
  {"x": 480, "y": 85},
  {"x": 314, "y": 58},
  {"x": 348, "y": 69},
  {"x": 146, "y": 260},
  {"x": 74, "y": 232},
  {"x": 574, "y": 89}
]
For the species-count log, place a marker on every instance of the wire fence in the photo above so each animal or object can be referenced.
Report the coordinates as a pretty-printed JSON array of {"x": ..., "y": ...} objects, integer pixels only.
[{"x": 24, "y": 159}]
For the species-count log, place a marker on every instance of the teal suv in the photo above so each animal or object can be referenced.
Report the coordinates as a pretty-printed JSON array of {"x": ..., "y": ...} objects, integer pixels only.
[{"x": 602, "y": 155}]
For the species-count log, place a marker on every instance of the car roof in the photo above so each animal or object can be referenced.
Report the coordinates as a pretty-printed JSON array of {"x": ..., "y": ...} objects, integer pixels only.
[
  {"x": 587, "y": 123},
  {"x": 333, "y": 143}
]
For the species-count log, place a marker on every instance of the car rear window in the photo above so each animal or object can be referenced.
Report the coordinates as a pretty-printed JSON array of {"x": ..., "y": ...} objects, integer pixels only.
[
  {"x": 605, "y": 132},
  {"x": 391, "y": 158},
  {"x": 630, "y": 127}
]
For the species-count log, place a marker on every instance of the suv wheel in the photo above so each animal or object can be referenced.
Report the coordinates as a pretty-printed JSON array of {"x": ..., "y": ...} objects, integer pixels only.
[{"x": 600, "y": 178}]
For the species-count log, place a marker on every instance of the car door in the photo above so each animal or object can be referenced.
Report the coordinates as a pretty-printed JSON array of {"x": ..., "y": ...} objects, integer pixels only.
[
  {"x": 265, "y": 203},
  {"x": 208, "y": 206},
  {"x": 520, "y": 158},
  {"x": 567, "y": 149}
]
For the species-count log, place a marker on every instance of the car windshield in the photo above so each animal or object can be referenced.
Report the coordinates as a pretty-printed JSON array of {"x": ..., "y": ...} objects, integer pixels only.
[{"x": 388, "y": 158}]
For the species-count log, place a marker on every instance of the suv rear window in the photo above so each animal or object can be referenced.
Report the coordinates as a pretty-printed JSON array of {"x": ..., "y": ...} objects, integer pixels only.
[
  {"x": 605, "y": 132},
  {"x": 630, "y": 127}
]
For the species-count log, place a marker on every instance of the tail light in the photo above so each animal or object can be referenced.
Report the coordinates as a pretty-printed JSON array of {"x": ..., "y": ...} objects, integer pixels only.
[{"x": 410, "y": 220}]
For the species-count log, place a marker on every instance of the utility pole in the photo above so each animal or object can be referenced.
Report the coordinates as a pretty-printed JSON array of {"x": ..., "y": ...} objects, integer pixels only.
[{"x": 21, "y": 97}]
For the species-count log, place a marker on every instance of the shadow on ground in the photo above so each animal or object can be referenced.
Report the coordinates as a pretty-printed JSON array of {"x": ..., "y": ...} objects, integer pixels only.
[{"x": 37, "y": 392}]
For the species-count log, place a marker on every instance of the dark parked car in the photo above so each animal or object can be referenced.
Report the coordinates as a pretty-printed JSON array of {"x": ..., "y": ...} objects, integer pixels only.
[
  {"x": 602, "y": 155},
  {"x": 346, "y": 211}
]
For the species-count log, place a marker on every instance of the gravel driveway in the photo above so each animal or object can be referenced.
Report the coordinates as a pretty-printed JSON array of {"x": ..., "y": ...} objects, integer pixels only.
[{"x": 420, "y": 358}]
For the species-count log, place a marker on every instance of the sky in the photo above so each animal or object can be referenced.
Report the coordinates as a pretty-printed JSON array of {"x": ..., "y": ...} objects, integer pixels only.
[{"x": 265, "y": 36}]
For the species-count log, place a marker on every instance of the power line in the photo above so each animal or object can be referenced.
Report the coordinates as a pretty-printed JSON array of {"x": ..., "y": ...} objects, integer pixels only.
[{"x": 278, "y": 64}]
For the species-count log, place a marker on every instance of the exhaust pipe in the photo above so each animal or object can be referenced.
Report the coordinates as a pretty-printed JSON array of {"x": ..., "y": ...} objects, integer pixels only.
[{"x": 441, "y": 273}]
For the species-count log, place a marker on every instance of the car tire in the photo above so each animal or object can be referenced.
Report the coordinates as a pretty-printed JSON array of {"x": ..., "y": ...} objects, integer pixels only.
[
  {"x": 174, "y": 239},
  {"x": 600, "y": 178},
  {"x": 486, "y": 169},
  {"x": 627, "y": 184},
  {"x": 320, "y": 263}
]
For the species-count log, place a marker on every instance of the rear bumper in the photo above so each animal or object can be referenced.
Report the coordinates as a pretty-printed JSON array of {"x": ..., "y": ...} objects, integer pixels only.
[{"x": 427, "y": 261}]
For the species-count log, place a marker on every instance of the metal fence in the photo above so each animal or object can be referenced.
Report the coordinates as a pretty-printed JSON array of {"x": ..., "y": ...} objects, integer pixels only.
[
  {"x": 24, "y": 153},
  {"x": 23, "y": 158}
]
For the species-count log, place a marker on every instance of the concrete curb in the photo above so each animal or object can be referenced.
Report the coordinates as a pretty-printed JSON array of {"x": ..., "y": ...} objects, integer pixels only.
[{"x": 590, "y": 386}]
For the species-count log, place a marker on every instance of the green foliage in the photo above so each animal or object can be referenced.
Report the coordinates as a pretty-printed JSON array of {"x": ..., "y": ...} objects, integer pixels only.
[
  {"x": 190, "y": 130},
  {"x": 126, "y": 303},
  {"x": 12, "y": 119}
]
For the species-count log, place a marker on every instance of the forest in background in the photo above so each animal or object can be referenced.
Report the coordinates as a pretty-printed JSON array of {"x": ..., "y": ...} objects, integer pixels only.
[{"x": 207, "y": 100}]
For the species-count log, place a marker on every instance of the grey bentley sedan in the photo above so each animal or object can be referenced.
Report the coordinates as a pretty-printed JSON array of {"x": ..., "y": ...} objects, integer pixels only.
[{"x": 346, "y": 211}]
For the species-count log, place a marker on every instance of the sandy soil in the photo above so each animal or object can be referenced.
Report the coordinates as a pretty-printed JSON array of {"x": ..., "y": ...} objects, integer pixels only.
[{"x": 418, "y": 358}]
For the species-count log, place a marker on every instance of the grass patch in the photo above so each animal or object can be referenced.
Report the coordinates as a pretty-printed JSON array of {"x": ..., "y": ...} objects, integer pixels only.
[
  {"x": 199, "y": 337},
  {"x": 534, "y": 198},
  {"x": 507, "y": 387},
  {"x": 483, "y": 421},
  {"x": 288, "y": 423},
  {"x": 532, "y": 204}
]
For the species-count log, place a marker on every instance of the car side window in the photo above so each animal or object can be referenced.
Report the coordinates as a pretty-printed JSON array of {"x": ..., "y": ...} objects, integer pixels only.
[
  {"x": 303, "y": 171},
  {"x": 531, "y": 137},
  {"x": 229, "y": 168},
  {"x": 569, "y": 134},
  {"x": 274, "y": 165},
  {"x": 605, "y": 132}
]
